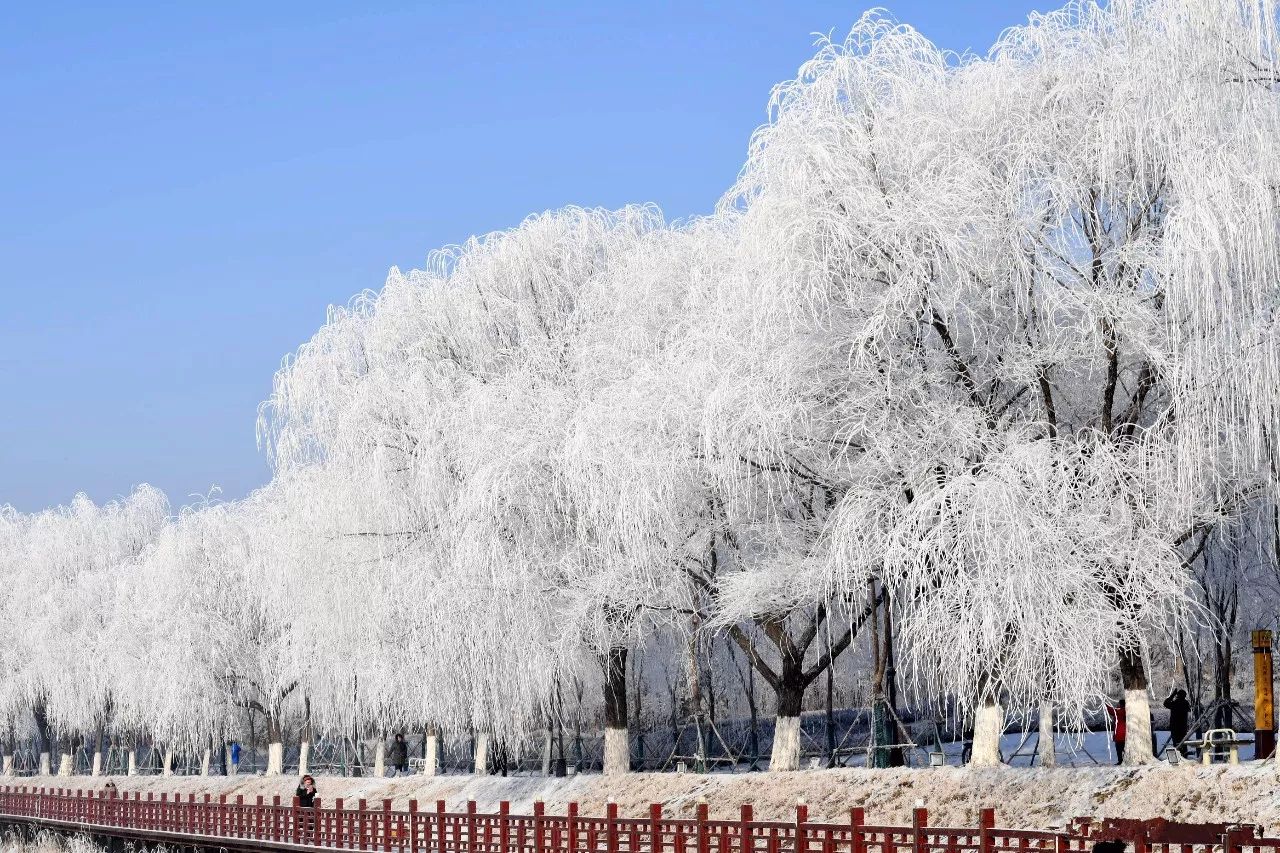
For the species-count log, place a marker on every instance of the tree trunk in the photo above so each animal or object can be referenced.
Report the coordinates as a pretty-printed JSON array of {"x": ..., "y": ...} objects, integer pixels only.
[
  {"x": 617, "y": 752},
  {"x": 304, "y": 741},
  {"x": 251, "y": 747},
  {"x": 896, "y": 758},
  {"x": 275, "y": 746},
  {"x": 67, "y": 758},
  {"x": 831, "y": 713},
  {"x": 429, "y": 767},
  {"x": 786, "y": 725},
  {"x": 880, "y": 738},
  {"x": 988, "y": 726},
  {"x": 637, "y": 684},
  {"x": 481, "y": 754},
  {"x": 43, "y": 736},
  {"x": 1222, "y": 677},
  {"x": 7, "y": 769},
  {"x": 168, "y": 762},
  {"x": 755, "y": 716},
  {"x": 99, "y": 739},
  {"x": 275, "y": 758},
  {"x": 1046, "y": 749},
  {"x": 546, "y": 751},
  {"x": 708, "y": 678},
  {"x": 879, "y": 757},
  {"x": 133, "y": 760},
  {"x": 1137, "y": 710},
  {"x": 559, "y": 761},
  {"x": 380, "y": 757},
  {"x": 206, "y": 760},
  {"x": 617, "y": 737},
  {"x": 695, "y": 695}
]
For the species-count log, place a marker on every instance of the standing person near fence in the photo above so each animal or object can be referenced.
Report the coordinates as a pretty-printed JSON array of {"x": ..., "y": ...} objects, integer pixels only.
[
  {"x": 306, "y": 792},
  {"x": 1118, "y": 729},
  {"x": 1179, "y": 712},
  {"x": 400, "y": 754},
  {"x": 235, "y": 757}
]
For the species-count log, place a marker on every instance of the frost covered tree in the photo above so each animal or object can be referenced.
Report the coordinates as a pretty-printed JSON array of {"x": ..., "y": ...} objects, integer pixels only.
[
  {"x": 988, "y": 343},
  {"x": 14, "y": 532},
  {"x": 64, "y": 566},
  {"x": 769, "y": 471},
  {"x": 453, "y": 391},
  {"x": 219, "y": 641},
  {"x": 1043, "y": 303}
]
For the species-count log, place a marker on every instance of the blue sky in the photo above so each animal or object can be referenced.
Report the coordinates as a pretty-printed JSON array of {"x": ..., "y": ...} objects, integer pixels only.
[{"x": 188, "y": 186}]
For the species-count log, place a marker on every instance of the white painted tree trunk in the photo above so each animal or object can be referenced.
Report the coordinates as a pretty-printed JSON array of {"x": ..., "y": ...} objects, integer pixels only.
[
  {"x": 231, "y": 767},
  {"x": 433, "y": 755},
  {"x": 380, "y": 759},
  {"x": 304, "y": 758},
  {"x": 8, "y": 765},
  {"x": 617, "y": 751},
  {"x": 133, "y": 762},
  {"x": 988, "y": 726},
  {"x": 546, "y": 753},
  {"x": 482, "y": 754},
  {"x": 786, "y": 744},
  {"x": 1137, "y": 723},
  {"x": 44, "y": 764},
  {"x": 205, "y": 761},
  {"x": 64, "y": 764},
  {"x": 275, "y": 759},
  {"x": 1046, "y": 750},
  {"x": 167, "y": 770},
  {"x": 97, "y": 763}
]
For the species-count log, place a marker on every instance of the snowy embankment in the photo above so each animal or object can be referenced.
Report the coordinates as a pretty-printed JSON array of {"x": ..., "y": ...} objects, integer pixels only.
[
  {"x": 1022, "y": 798},
  {"x": 48, "y": 842}
]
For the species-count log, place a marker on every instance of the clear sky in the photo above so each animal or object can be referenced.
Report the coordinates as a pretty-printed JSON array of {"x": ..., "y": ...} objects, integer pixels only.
[{"x": 187, "y": 186}]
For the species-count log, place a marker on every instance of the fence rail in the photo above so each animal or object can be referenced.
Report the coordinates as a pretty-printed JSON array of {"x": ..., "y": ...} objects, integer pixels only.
[{"x": 271, "y": 823}]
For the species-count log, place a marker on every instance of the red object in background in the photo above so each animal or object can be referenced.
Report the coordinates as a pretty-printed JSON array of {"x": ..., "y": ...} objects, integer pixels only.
[{"x": 1118, "y": 727}]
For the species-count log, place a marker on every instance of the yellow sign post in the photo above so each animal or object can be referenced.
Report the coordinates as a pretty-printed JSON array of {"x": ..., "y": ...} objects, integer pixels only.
[{"x": 1264, "y": 706}]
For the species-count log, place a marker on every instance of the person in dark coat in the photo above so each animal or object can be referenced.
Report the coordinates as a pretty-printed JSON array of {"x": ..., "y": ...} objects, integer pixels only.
[
  {"x": 1179, "y": 713},
  {"x": 1119, "y": 730},
  {"x": 306, "y": 792},
  {"x": 400, "y": 754}
]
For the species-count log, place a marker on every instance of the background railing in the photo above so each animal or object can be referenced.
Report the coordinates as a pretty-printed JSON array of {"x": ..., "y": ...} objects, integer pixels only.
[{"x": 440, "y": 831}]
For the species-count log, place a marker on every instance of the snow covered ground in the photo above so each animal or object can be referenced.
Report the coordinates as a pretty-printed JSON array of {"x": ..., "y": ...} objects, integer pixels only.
[
  {"x": 49, "y": 843},
  {"x": 1023, "y": 798}
]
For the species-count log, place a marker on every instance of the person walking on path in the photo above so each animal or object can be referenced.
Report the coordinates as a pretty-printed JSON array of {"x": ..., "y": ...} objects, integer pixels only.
[
  {"x": 1116, "y": 713},
  {"x": 400, "y": 754},
  {"x": 1179, "y": 712},
  {"x": 306, "y": 792}
]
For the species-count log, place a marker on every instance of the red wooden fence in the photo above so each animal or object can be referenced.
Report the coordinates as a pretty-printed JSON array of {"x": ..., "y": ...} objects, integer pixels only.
[{"x": 378, "y": 828}]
